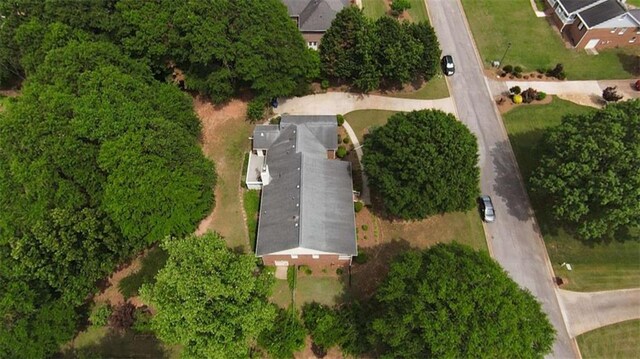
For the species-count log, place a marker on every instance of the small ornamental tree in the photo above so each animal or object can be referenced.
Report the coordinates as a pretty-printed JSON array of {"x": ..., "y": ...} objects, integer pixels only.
[
  {"x": 611, "y": 95},
  {"x": 341, "y": 152},
  {"x": 529, "y": 95},
  {"x": 588, "y": 172},
  {"x": 422, "y": 163},
  {"x": 515, "y": 90},
  {"x": 123, "y": 316},
  {"x": 451, "y": 301}
]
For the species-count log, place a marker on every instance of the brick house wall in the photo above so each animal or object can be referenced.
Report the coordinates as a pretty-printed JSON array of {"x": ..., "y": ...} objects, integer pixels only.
[
  {"x": 323, "y": 260},
  {"x": 310, "y": 37},
  {"x": 606, "y": 37}
]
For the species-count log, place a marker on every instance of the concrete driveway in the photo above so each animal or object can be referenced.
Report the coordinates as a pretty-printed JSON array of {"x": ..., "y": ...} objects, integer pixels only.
[
  {"x": 589, "y": 311},
  {"x": 514, "y": 239},
  {"x": 344, "y": 102}
]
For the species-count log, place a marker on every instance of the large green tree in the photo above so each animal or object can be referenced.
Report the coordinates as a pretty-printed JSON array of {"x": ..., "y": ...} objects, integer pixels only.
[
  {"x": 590, "y": 170},
  {"x": 210, "y": 299},
  {"x": 422, "y": 163},
  {"x": 367, "y": 54},
  {"x": 453, "y": 302}
]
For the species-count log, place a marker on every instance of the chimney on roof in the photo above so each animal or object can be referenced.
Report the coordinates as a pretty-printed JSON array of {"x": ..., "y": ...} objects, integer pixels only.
[{"x": 264, "y": 175}]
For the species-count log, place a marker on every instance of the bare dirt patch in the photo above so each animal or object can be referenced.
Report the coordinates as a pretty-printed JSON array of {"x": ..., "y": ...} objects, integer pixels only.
[
  {"x": 499, "y": 75},
  {"x": 111, "y": 294},
  {"x": 225, "y": 139},
  {"x": 307, "y": 353}
]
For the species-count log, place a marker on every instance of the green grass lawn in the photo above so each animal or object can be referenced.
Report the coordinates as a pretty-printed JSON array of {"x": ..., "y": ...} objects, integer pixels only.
[
  {"x": 434, "y": 89},
  {"x": 596, "y": 266},
  {"x": 152, "y": 262},
  {"x": 363, "y": 119},
  {"x": 251, "y": 208},
  {"x": 418, "y": 11},
  {"x": 319, "y": 287},
  {"x": 635, "y": 3},
  {"x": 535, "y": 45},
  {"x": 613, "y": 341},
  {"x": 101, "y": 342},
  {"x": 374, "y": 8}
]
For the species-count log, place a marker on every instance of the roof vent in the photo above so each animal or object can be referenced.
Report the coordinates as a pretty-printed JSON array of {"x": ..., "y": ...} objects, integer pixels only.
[
  {"x": 296, "y": 224},
  {"x": 298, "y": 186},
  {"x": 262, "y": 134}
]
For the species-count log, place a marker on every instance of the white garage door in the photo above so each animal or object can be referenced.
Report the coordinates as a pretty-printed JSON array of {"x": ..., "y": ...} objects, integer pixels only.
[{"x": 592, "y": 43}]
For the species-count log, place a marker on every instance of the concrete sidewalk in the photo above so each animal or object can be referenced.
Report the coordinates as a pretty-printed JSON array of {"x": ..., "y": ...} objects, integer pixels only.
[
  {"x": 590, "y": 88},
  {"x": 365, "y": 195},
  {"x": 592, "y": 310},
  {"x": 344, "y": 102}
]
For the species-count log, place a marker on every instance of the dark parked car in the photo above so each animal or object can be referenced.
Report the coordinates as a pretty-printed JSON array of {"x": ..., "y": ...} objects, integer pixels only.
[
  {"x": 486, "y": 208},
  {"x": 447, "y": 65}
]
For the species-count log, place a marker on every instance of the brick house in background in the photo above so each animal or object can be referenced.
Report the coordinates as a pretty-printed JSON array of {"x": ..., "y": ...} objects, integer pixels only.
[
  {"x": 596, "y": 24},
  {"x": 306, "y": 209},
  {"x": 314, "y": 17}
]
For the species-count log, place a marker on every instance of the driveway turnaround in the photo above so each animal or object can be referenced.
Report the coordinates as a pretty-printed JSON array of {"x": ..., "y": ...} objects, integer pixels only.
[
  {"x": 589, "y": 311},
  {"x": 344, "y": 102},
  {"x": 514, "y": 239}
]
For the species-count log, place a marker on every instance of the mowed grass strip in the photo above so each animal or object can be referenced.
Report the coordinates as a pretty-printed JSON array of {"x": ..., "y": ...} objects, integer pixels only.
[
  {"x": 535, "y": 45},
  {"x": 614, "y": 341},
  {"x": 251, "y": 208},
  {"x": 374, "y": 8},
  {"x": 595, "y": 265}
]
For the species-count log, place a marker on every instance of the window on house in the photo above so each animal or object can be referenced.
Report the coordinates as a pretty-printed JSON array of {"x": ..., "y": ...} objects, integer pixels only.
[
  {"x": 581, "y": 26},
  {"x": 344, "y": 258},
  {"x": 633, "y": 39},
  {"x": 294, "y": 256},
  {"x": 312, "y": 45},
  {"x": 614, "y": 30},
  {"x": 622, "y": 31},
  {"x": 638, "y": 31},
  {"x": 316, "y": 256}
]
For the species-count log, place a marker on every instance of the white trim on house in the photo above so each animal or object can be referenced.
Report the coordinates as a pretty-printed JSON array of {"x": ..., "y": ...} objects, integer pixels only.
[{"x": 302, "y": 251}]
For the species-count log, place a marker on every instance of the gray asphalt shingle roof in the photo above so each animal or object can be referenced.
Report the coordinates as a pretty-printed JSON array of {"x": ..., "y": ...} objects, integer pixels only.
[
  {"x": 265, "y": 135},
  {"x": 315, "y": 15},
  {"x": 602, "y": 12},
  {"x": 309, "y": 201},
  {"x": 575, "y": 5}
]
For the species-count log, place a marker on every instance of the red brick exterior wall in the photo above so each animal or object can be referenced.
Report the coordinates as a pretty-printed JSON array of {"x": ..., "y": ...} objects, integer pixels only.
[
  {"x": 325, "y": 261},
  {"x": 608, "y": 39},
  {"x": 312, "y": 36}
]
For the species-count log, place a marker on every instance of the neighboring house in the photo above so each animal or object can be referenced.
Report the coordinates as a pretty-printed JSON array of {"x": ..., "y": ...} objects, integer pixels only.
[
  {"x": 596, "y": 24},
  {"x": 314, "y": 17},
  {"x": 306, "y": 209}
]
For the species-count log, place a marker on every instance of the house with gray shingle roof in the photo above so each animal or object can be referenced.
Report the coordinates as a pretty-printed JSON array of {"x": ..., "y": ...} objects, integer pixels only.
[
  {"x": 595, "y": 24},
  {"x": 306, "y": 208},
  {"x": 314, "y": 17}
]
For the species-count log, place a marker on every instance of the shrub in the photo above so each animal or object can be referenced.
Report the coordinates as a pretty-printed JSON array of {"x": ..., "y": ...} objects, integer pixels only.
[
  {"x": 611, "y": 95},
  {"x": 361, "y": 258},
  {"x": 284, "y": 338},
  {"x": 357, "y": 206},
  {"x": 365, "y": 227},
  {"x": 399, "y": 6},
  {"x": 529, "y": 95},
  {"x": 517, "y": 70},
  {"x": 508, "y": 69},
  {"x": 122, "y": 316},
  {"x": 345, "y": 140},
  {"x": 142, "y": 320},
  {"x": 517, "y": 99},
  {"x": 305, "y": 269},
  {"x": 324, "y": 84},
  {"x": 341, "y": 152},
  {"x": 339, "y": 271},
  {"x": 340, "y": 119},
  {"x": 275, "y": 120},
  {"x": 519, "y": 75},
  {"x": 100, "y": 315},
  {"x": 541, "y": 96},
  {"x": 291, "y": 277},
  {"x": 515, "y": 90},
  {"x": 255, "y": 111},
  {"x": 557, "y": 72}
]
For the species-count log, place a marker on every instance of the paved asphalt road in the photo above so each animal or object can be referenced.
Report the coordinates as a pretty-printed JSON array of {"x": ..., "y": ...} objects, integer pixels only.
[{"x": 514, "y": 239}]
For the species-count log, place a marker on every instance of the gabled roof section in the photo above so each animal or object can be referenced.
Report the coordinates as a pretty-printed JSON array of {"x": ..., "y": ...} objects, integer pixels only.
[
  {"x": 324, "y": 128},
  {"x": 308, "y": 203},
  {"x": 576, "y": 5},
  {"x": 635, "y": 13},
  {"x": 265, "y": 135},
  {"x": 602, "y": 12},
  {"x": 315, "y": 15}
]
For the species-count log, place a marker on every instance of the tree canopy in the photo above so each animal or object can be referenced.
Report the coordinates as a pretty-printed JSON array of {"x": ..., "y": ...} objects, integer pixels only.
[
  {"x": 453, "y": 302},
  {"x": 422, "y": 163},
  {"x": 589, "y": 170},
  {"x": 386, "y": 52},
  {"x": 97, "y": 161},
  {"x": 209, "y": 299}
]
